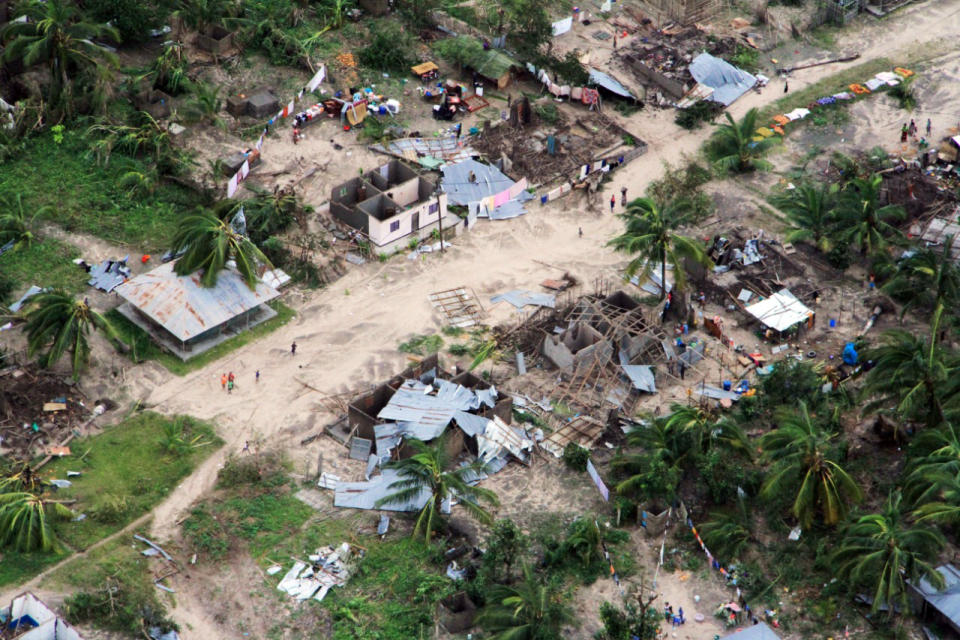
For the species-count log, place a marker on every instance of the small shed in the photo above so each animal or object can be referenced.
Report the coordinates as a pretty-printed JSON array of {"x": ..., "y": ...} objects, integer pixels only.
[
  {"x": 941, "y": 606},
  {"x": 759, "y": 631},
  {"x": 188, "y": 318},
  {"x": 494, "y": 65}
]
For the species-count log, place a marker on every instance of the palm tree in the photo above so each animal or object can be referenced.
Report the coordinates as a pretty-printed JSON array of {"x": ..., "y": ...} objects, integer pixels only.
[
  {"x": 883, "y": 551},
  {"x": 809, "y": 209},
  {"x": 143, "y": 135},
  {"x": 527, "y": 610},
  {"x": 944, "y": 492},
  {"x": 727, "y": 532},
  {"x": 934, "y": 453},
  {"x": 732, "y": 147},
  {"x": 658, "y": 465},
  {"x": 428, "y": 471},
  {"x": 14, "y": 225},
  {"x": 805, "y": 460},
  {"x": 649, "y": 236},
  {"x": 705, "y": 432},
  {"x": 861, "y": 221},
  {"x": 59, "y": 324},
  {"x": 927, "y": 279},
  {"x": 914, "y": 373},
  {"x": 208, "y": 243},
  {"x": 57, "y": 34},
  {"x": 25, "y": 521}
]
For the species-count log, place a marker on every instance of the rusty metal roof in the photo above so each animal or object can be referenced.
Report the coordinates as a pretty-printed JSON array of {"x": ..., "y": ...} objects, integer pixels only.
[{"x": 186, "y": 309}]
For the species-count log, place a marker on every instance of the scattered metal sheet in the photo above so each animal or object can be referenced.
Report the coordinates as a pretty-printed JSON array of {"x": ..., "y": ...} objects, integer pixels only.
[
  {"x": 32, "y": 291},
  {"x": 507, "y": 210},
  {"x": 364, "y": 495},
  {"x": 716, "y": 393},
  {"x": 745, "y": 295},
  {"x": 521, "y": 298},
  {"x": 459, "y": 305},
  {"x": 360, "y": 448},
  {"x": 384, "y": 525},
  {"x": 328, "y": 481},
  {"x": 471, "y": 424},
  {"x": 355, "y": 258},
  {"x": 641, "y": 375},
  {"x": 583, "y": 430},
  {"x": 693, "y": 354},
  {"x": 500, "y": 436},
  {"x": 448, "y": 148},
  {"x": 109, "y": 274},
  {"x": 422, "y": 415}
]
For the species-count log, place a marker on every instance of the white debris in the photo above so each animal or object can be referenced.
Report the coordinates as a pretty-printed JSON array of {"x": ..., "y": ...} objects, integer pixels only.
[{"x": 329, "y": 569}]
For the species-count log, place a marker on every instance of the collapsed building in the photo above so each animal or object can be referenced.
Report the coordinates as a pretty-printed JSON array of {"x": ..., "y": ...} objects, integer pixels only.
[{"x": 426, "y": 403}]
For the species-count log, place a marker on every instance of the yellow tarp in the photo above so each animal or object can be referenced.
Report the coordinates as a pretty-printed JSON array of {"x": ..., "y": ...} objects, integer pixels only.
[{"x": 764, "y": 132}]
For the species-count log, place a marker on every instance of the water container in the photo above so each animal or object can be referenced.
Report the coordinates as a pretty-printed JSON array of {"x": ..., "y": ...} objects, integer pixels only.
[{"x": 726, "y": 385}]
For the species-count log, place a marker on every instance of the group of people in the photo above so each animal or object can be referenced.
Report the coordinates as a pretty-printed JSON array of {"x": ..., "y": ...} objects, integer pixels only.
[
  {"x": 911, "y": 130},
  {"x": 675, "y": 619},
  {"x": 623, "y": 199},
  {"x": 228, "y": 380}
]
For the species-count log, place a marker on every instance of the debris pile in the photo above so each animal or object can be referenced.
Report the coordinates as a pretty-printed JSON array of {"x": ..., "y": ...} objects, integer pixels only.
[{"x": 328, "y": 568}]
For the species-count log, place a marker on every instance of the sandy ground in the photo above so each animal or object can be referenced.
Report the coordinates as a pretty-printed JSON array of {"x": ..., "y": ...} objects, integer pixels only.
[{"x": 347, "y": 333}]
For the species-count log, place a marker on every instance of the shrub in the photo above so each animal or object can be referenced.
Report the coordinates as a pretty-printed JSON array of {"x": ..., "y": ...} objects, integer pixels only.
[
  {"x": 696, "y": 114},
  {"x": 390, "y": 49},
  {"x": 839, "y": 256},
  {"x": 575, "y": 456},
  {"x": 259, "y": 467},
  {"x": 548, "y": 113},
  {"x": 109, "y": 508},
  {"x": 206, "y": 533},
  {"x": 122, "y": 603},
  {"x": 133, "y": 18}
]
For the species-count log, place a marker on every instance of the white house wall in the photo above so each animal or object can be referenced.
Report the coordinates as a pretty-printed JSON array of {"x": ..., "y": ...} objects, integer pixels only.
[{"x": 380, "y": 232}]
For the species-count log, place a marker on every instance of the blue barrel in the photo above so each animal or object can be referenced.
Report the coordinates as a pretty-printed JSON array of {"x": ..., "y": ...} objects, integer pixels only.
[{"x": 726, "y": 385}]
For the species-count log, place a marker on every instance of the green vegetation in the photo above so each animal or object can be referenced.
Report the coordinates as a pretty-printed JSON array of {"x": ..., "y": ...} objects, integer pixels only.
[
  {"x": 58, "y": 324},
  {"x": 746, "y": 58},
  {"x": 208, "y": 243},
  {"x": 732, "y": 147},
  {"x": 422, "y": 345},
  {"x": 650, "y": 239},
  {"x": 390, "y": 47},
  {"x": 142, "y": 347},
  {"x": 60, "y": 182},
  {"x": 694, "y": 116},
  {"x": 125, "y": 472},
  {"x": 46, "y": 263},
  {"x": 429, "y": 469}
]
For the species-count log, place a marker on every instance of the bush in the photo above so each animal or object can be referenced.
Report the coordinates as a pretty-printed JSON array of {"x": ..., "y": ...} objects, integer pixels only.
[
  {"x": 6, "y": 288},
  {"x": 206, "y": 533},
  {"x": 696, "y": 114},
  {"x": 123, "y": 603},
  {"x": 266, "y": 467},
  {"x": 747, "y": 58},
  {"x": 839, "y": 256},
  {"x": 792, "y": 382},
  {"x": 575, "y": 456},
  {"x": 390, "y": 49},
  {"x": 548, "y": 113},
  {"x": 109, "y": 508},
  {"x": 133, "y": 18}
]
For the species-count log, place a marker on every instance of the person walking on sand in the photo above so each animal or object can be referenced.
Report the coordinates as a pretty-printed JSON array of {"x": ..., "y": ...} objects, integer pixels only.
[
  {"x": 913, "y": 128},
  {"x": 293, "y": 348},
  {"x": 929, "y": 127},
  {"x": 786, "y": 85},
  {"x": 223, "y": 381},
  {"x": 257, "y": 375},
  {"x": 231, "y": 379},
  {"x": 904, "y": 132},
  {"x": 613, "y": 203},
  {"x": 623, "y": 197},
  {"x": 580, "y": 231},
  {"x": 229, "y": 386}
]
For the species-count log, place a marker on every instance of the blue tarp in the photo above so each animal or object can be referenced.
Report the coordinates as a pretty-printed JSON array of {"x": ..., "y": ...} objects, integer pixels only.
[
  {"x": 850, "y": 355},
  {"x": 727, "y": 81}
]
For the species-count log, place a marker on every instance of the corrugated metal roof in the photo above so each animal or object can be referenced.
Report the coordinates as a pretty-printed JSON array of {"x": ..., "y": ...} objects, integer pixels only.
[
  {"x": 641, "y": 375},
  {"x": 411, "y": 404},
  {"x": 521, "y": 298},
  {"x": 186, "y": 309},
  {"x": 608, "y": 82},
  {"x": 758, "y": 631},
  {"x": 488, "y": 181},
  {"x": 364, "y": 495},
  {"x": 947, "y": 600},
  {"x": 780, "y": 311}
]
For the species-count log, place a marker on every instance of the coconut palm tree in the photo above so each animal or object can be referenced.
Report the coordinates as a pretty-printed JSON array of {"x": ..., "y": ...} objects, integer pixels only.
[
  {"x": 650, "y": 237},
  {"x": 208, "y": 243},
  {"x": 428, "y": 471},
  {"x": 927, "y": 279},
  {"x": 883, "y": 551},
  {"x": 732, "y": 147},
  {"x": 15, "y": 226},
  {"x": 944, "y": 493},
  {"x": 805, "y": 460},
  {"x": 913, "y": 373},
  {"x": 728, "y": 532},
  {"x": 861, "y": 221},
  {"x": 933, "y": 453},
  {"x": 656, "y": 465},
  {"x": 57, "y": 34},
  {"x": 26, "y": 521},
  {"x": 58, "y": 323},
  {"x": 704, "y": 431},
  {"x": 809, "y": 208},
  {"x": 526, "y": 610}
]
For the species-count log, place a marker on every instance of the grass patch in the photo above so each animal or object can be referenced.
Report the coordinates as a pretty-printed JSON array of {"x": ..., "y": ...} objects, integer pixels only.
[
  {"x": 126, "y": 472},
  {"x": 85, "y": 197},
  {"x": 45, "y": 263},
  {"x": 143, "y": 348},
  {"x": 422, "y": 345},
  {"x": 828, "y": 86}
]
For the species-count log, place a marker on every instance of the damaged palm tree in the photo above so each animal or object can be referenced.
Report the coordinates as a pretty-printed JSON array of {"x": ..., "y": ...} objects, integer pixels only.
[
  {"x": 428, "y": 470},
  {"x": 649, "y": 236}
]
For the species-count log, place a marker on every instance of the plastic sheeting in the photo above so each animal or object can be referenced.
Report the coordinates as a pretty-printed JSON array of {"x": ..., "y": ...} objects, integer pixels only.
[{"x": 727, "y": 81}]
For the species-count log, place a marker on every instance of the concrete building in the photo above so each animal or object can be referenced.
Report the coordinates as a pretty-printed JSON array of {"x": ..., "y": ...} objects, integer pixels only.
[
  {"x": 187, "y": 318},
  {"x": 391, "y": 205}
]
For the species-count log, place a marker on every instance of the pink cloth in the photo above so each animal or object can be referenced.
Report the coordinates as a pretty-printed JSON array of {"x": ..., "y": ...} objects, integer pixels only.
[{"x": 501, "y": 198}]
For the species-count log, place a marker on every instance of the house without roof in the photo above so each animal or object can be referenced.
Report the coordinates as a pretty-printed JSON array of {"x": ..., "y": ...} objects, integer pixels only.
[{"x": 390, "y": 205}]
